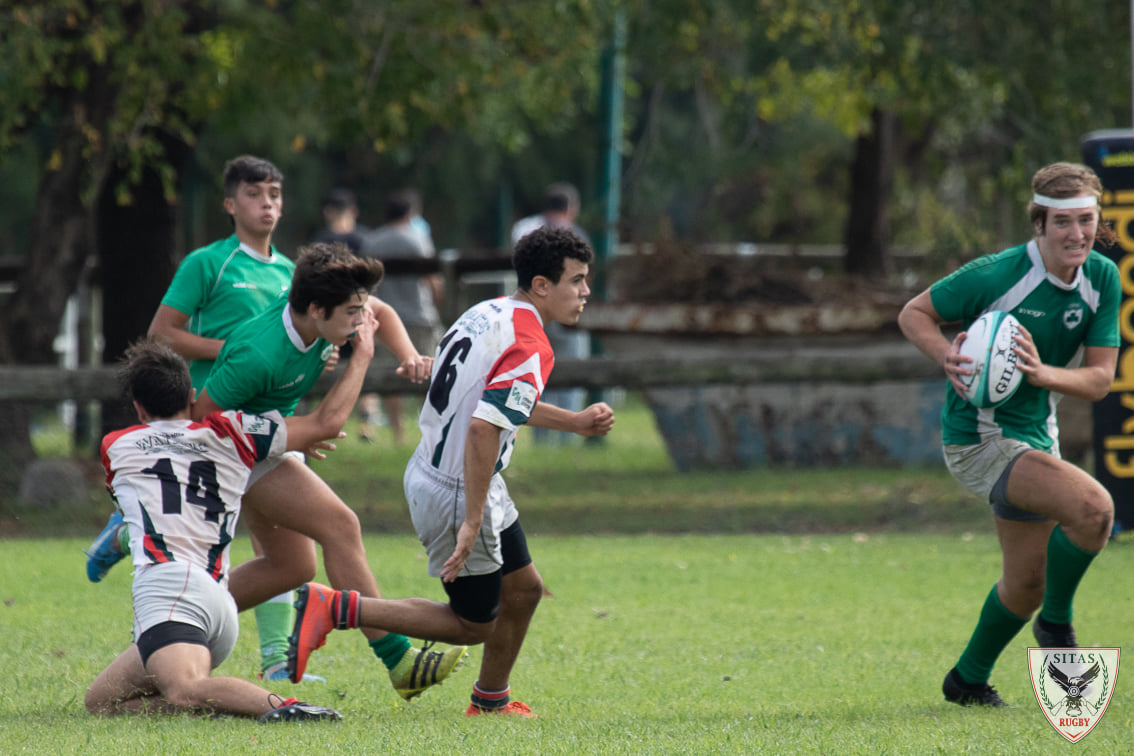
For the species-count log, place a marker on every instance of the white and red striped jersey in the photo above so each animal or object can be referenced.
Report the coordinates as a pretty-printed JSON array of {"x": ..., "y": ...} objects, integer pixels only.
[
  {"x": 179, "y": 483},
  {"x": 491, "y": 364}
]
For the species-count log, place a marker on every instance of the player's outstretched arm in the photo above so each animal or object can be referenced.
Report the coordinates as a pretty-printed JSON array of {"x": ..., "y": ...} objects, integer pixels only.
[
  {"x": 595, "y": 420},
  {"x": 393, "y": 335}
]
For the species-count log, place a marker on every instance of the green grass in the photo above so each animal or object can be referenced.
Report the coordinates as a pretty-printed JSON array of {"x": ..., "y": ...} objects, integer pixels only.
[
  {"x": 802, "y": 611},
  {"x": 659, "y": 644}
]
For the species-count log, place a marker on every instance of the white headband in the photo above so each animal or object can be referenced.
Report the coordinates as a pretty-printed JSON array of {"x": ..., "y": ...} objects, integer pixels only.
[{"x": 1070, "y": 203}]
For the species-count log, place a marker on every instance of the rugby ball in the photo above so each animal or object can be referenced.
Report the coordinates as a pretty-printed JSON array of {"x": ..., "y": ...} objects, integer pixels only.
[{"x": 989, "y": 343}]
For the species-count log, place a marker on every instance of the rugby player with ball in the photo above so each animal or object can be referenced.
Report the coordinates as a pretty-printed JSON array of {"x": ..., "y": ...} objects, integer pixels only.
[{"x": 1001, "y": 441}]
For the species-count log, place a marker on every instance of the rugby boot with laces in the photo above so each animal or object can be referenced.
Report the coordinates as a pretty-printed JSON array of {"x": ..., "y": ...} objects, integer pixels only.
[{"x": 958, "y": 691}]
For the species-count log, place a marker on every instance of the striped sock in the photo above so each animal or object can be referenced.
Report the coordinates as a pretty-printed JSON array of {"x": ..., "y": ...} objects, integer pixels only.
[
  {"x": 344, "y": 609},
  {"x": 489, "y": 700},
  {"x": 122, "y": 539}
]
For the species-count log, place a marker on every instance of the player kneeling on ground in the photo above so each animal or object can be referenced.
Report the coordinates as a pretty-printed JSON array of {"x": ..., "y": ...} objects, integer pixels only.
[{"x": 178, "y": 484}]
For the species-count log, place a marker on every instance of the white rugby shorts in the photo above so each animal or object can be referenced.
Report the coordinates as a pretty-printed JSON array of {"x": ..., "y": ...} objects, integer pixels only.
[
  {"x": 182, "y": 592},
  {"x": 265, "y": 466},
  {"x": 437, "y": 509},
  {"x": 979, "y": 466}
]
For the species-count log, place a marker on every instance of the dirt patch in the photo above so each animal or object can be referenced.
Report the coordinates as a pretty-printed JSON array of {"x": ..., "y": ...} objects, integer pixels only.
[{"x": 679, "y": 274}]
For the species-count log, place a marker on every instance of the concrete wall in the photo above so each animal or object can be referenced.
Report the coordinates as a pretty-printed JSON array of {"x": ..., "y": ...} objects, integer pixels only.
[
  {"x": 804, "y": 425},
  {"x": 887, "y": 413}
]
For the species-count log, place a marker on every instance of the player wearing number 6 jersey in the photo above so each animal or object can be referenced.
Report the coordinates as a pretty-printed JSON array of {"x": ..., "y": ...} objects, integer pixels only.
[
  {"x": 178, "y": 483},
  {"x": 488, "y": 374}
]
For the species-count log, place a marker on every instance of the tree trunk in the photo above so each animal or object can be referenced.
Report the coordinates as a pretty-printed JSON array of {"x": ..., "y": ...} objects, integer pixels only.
[
  {"x": 139, "y": 247},
  {"x": 872, "y": 180},
  {"x": 59, "y": 246}
]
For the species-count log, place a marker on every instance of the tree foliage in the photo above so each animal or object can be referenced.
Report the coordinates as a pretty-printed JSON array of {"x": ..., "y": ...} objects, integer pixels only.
[{"x": 743, "y": 118}]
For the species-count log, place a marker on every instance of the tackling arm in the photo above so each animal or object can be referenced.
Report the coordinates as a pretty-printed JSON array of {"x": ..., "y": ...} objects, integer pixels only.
[{"x": 332, "y": 413}]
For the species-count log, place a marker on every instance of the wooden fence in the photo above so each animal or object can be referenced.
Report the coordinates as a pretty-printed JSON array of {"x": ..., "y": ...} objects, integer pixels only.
[{"x": 47, "y": 384}]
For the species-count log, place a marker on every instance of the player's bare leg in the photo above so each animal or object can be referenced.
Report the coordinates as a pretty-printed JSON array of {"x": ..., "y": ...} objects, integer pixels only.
[
  {"x": 297, "y": 500},
  {"x": 302, "y": 506},
  {"x": 520, "y": 595},
  {"x": 123, "y": 687}
]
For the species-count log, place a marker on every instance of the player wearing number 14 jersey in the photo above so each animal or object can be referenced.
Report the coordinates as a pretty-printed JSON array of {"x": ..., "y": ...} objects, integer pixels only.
[
  {"x": 179, "y": 484},
  {"x": 488, "y": 374},
  {"x": 158, "y": 472}
]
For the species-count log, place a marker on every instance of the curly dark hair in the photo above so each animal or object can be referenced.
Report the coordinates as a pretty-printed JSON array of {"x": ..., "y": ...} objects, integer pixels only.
[
  {"x": 328, "y": 274},
  {"x": 156, "y": 377},
  {"x": 542, "y": 252}
]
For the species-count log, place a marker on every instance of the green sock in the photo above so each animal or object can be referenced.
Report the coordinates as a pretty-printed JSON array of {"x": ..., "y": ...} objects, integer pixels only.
[
  {"x": 122, "y": 537},
  {"x": 274, "y": 620},
  {"x": 1066, "y": 564},
  {"x": 994, "y": 631},
  {"x": 390, "y": 649}
]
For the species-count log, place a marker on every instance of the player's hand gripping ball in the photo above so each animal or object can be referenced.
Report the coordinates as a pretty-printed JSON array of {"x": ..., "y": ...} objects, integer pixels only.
[{"x": 996, "y": 375}]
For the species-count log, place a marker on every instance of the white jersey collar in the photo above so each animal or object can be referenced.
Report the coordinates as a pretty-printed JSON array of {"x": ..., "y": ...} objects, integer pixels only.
[
  {"x": 1037, "y": 261},
  {"x": 253, "y": 253},
  {"x": 293, "y": 335}
]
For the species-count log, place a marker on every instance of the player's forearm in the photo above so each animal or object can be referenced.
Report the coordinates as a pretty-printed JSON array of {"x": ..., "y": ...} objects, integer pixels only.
[
  {"x": 334, "y": 411},
  {"x": 189, "y": 346},
  {"x": 549, "y": 416},
  {"x": 482, "y": 447},
  {"x": 1090, "y": 383},
  {"x": 923, "y": 330},
  {"x": 169, "y": 324}
]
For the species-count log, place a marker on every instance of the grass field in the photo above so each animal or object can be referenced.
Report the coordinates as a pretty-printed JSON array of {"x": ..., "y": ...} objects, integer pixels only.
[
  {"x": 767, "y": 611},
  {"x": 651, "y": 644}
]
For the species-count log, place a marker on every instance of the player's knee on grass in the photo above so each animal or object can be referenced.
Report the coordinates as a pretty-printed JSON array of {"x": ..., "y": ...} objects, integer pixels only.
[
  {"x": 177, "y": 670},
  {"x": 100, "y": 704}
]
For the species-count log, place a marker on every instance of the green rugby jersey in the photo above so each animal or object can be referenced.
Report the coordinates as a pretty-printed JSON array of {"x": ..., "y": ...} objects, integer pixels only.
[
  {"x": 221, "y": 286},
  {"x": 265, "y": 366},
  {"x": 1061, "y": 317}
]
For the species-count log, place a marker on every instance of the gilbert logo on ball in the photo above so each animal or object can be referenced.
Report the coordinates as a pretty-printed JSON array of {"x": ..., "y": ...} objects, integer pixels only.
[{"x": 989, "y": 343}]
